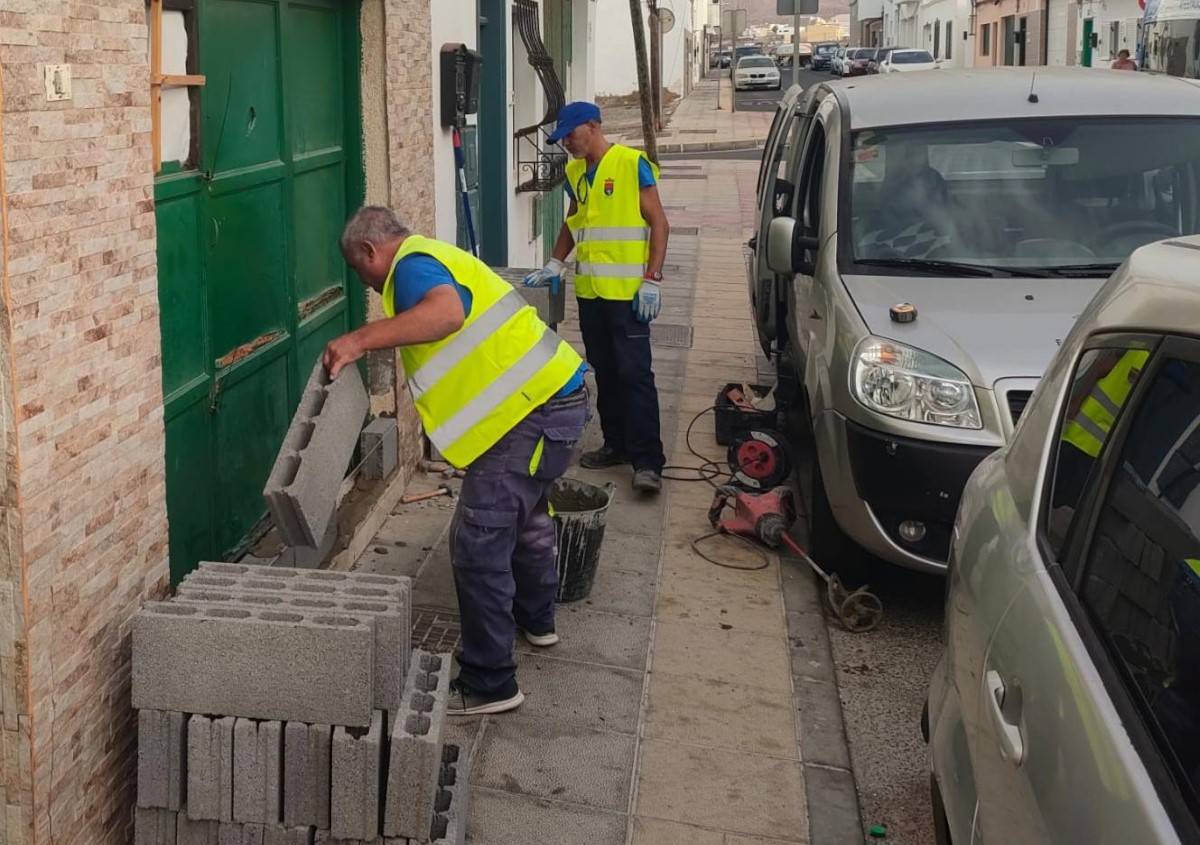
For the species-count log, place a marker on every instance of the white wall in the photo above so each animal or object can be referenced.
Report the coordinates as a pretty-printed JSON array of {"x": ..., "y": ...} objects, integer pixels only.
[
  {"x": 1060, "y": 33},
  {"x": 451, "y": 21},
  {"x": 936, "y": 14},
  {"x": 616, "y": 69},
  {"x": 1125, "y": 14}
]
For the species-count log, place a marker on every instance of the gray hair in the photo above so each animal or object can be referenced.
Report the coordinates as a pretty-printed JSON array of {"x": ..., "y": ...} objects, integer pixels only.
[{"x": 372, "y": 224}]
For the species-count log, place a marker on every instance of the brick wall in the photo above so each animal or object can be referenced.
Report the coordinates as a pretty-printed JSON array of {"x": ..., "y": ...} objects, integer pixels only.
[{"x": 83, "y": 502}]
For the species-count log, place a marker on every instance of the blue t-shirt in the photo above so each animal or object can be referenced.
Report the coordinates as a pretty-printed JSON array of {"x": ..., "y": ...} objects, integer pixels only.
[
  {"x": 418, "y": 274},
  {"x": 645, "y": 178}
]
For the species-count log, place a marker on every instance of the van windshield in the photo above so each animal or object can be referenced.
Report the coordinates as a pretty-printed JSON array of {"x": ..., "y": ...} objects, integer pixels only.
[{"x": 1070, "y": 195}]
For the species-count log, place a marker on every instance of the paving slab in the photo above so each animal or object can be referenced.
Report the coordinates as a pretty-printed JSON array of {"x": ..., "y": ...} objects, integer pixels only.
[
  {"x": 618, "y": 590},
  {"x": 708, "y": 712},
  {"x": 580, "y": 693},
  {"x": 738, "y": 657},
  {"x": 591, "y": 636},
  {"x": 556, "y": 761},
  {"x": 683, "y": 598},
  {"x": 503, "y": 818},
  {"x": 731, "y": 791},
  {"x": 658, "y": 832}
]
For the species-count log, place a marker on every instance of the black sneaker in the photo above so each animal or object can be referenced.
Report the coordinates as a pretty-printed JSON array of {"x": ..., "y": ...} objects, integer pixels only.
[
  {"x": 647, "y": 481},
  {"x": 602, "y": 459},
  {"x": 465, "y": 701}
]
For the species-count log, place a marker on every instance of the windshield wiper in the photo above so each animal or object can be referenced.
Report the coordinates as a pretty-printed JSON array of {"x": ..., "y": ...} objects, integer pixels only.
[
  {"x": 1080, "y": 271},
  {"x": 941, "y": 268}
]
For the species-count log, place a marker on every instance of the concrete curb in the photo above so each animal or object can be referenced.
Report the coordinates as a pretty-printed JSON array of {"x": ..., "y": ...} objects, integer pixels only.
[
  {"x": 833, "y": 809},
  {"x": 709, "y": 146}
]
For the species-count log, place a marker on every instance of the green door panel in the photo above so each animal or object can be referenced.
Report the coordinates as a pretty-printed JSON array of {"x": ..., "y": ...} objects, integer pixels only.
[
  {"x": 185, "y": 353},
  {"x": 557, "y": 25},
  {"x": 251, "y": 281}
]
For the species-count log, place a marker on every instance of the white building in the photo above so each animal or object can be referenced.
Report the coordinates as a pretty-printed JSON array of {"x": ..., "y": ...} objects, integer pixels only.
[
  {"x": 943, "y": 27},
  {"x": 616, "y": 68},
  {"x": 515, "y": 215},
  {"x": 866, "y": 23},
  {"x": 1091, "y": 32}
]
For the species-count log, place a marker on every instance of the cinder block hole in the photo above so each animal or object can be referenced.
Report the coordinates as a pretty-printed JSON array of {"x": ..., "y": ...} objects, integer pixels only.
[
  {"x": 226, "y": 613},
  {"x": 378, "y": 579},
  {"x": 422, "y": 703},
  {"x": 276, "y": 616},
  {"x": 367, "y": 592},
  {"x": 426, "y": 683},
  {"x": 438, "y": 829},
  {"x": 226, "y": 569},
  {"x": 303, "y": 436},
  {"x": 315, "y": 604},
  {"x": 449, "y": 776},
  {"x": 172, "y": 609},
  {"x": 327, "y": 576},
  {"x": 367, "y": 607},
  {"x": 260, "y": 601},
  {"x": 356, "y": 733},
  {"x": 288, "y": 468},
  {"x": 263, "y": 584},
  {"x": 442, "y": 803},
  {"x": 449, "y": 753},
  {"x": 323, "y": 589},
  {"x": 337, "y": 621},
  {"x": 213, "y": 596},
  {"x": 431, "y": 662},
  {"x": 211, "y": 581},
  {"x": 417, "y": 725},
  {"x": 312, "y": 403}
]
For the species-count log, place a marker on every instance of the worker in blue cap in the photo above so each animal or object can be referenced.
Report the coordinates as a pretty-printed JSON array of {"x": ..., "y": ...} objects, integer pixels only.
[{"x": 618, "y": 229}]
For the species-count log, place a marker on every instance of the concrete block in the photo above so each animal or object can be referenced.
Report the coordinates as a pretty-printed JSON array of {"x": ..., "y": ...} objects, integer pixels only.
[
  {"x": 343, "y": 580},
  {"x": 284, "y": 587},
  {"x": 280, "y": 835},
  {"x": 256, "y": 664},
  {"x": 162, "y": 759},
  {"x": 392, "y": 625},
  {"x": 191, "y": 832},
  {"x": 154, "y": 826},
  {"x": 309, "y": 557},
  {"x": 234, "y": 833},
  {"x": 257, "y": 771},
  {"x": 302, "y": 490},
  {"x": 307, "y": 767},
  {"x": 450, "y": 809},
  {"x": 415, "y": 758},
  {"x": 357, "y": 771},
  {"x": 210, "y": 768},
  {"x": 379, "y": 447}
]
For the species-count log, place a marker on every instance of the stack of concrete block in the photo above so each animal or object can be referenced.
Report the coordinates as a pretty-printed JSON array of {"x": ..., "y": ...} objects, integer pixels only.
[
  {"x": 285, "y": 707},
  {"x": 302, "y": 489}
]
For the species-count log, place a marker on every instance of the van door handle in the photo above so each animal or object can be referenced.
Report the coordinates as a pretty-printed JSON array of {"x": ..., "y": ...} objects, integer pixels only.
[{"x": 1005, "y": 707}]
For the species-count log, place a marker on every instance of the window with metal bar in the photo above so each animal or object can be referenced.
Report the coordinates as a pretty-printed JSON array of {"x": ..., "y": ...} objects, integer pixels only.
[{"x": 546, "y": 166}]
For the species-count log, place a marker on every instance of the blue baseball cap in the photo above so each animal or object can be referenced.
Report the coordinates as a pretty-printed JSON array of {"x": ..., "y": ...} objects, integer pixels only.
[{"x": 571, "y": 117}]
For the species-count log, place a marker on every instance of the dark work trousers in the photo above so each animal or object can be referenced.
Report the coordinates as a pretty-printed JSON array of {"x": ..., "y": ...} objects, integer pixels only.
[
  {"x": 502, "y": 540},
  {"x": 618, "y": 348}
]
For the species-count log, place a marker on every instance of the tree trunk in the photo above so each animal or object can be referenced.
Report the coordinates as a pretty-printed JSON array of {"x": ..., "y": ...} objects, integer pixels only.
[
  {"x": 643, "y": 71},
  {"x": 655, "y": 64}
]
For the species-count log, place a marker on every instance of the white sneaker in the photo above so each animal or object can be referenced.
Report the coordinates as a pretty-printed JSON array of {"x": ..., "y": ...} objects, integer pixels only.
[{"x": 541, "y": 640}]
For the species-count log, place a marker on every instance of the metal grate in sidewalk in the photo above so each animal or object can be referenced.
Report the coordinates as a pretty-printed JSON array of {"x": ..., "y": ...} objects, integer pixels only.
[
  {"x": 671, "y": 334},
  {"x": 435, "y": 629}
]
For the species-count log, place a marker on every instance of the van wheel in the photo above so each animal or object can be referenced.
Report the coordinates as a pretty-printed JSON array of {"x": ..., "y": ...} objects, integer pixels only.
[{"x": 828, "y": 544}]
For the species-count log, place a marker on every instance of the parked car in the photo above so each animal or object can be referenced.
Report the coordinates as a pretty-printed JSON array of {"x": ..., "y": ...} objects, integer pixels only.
[
  {"x": 741, "y": 52},
  {"x": 903, "y": 61},
  {"x": 856, "y": 64},
  {"x": 835, "y": 63},
  {"x": 823, "y": 55},
  {"x": 726, "y": 56},
  {"x": 881, "y": 53},
  {"x": 756, "y": 72},
  {"x": 923, "y": 244},
  {"x": 785, "y": 54},
  {"x": 714, "y": 59},
  {"x": 1066, "y": 707}
]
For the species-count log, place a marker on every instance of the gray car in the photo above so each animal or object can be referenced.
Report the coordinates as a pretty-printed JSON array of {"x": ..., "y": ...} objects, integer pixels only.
[
  {"x": 924, "y": 244},
  {"x": 1067, "y": 706}
]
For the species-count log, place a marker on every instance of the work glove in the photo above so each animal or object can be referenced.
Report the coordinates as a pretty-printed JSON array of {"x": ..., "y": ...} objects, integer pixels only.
[
  {"x": 648, "y": 300},
  {"x": 550, "y": 275}
]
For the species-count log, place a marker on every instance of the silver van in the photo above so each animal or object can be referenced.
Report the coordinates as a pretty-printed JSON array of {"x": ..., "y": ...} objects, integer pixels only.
[
  {"x": 1066, "y": 709},
  {"x": 924, "y": 244}
]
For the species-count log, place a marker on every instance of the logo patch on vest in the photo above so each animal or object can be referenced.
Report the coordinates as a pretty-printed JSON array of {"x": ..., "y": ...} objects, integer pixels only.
[{"x": 608, "y": 187}]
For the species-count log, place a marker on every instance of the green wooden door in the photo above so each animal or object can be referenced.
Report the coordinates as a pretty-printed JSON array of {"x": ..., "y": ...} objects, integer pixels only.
[
  {"x": 1085, "y": 53},
  {"x": 251, "y": 282},
  {"x": 557, "y": 26}
]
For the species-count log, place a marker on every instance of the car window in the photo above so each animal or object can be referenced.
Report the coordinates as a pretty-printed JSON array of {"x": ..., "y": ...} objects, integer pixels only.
[
  {"x": 910, "y": 57},
  {"x": 809, "y": 210},
  {"x": 1141, "y": 576},
  {"x": 1099, "y": 389},
  {"x": 756, "y": 61}
]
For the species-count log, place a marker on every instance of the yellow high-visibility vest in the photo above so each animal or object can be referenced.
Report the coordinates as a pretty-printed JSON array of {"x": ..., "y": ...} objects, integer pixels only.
[
  {"x": 1090, "y": 427},
  {"x": 612, "y": 238},
  {"x": 474, "y": 386}
]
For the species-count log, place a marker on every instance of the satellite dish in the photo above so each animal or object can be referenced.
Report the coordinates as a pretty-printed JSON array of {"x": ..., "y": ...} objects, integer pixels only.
[{"x": 666, "y": 20}]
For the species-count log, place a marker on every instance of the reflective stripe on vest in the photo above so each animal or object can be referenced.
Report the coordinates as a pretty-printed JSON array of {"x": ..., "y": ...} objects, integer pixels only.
[
  {"x": 1091, "y": 425},
  {"x": 612, "y": 238},
  {"x": 474, "y": 386}
]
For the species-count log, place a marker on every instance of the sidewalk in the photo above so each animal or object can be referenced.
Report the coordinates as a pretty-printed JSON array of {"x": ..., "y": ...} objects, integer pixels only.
[
  {"x": 697, "y": 125},
  {"x": 674, "y": 709}
]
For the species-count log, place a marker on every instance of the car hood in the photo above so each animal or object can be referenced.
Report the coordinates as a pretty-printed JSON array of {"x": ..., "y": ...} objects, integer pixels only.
[{"x": 989, "y": 328}]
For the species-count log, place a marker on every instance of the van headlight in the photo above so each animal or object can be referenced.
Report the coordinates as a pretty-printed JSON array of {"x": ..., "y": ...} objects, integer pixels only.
[{"x": 899, "y": 381}]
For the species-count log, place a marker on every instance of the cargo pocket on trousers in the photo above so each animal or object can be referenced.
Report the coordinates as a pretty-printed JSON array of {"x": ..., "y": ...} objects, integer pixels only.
[
  {"x": 552, "y": 455},
  {"x": 484, "y": 538}
]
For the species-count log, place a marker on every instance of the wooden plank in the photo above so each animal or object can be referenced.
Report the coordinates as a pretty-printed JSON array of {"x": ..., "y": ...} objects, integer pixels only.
[
  {"x": 178, "y": 80},
  {"x": 156, "y": 35}
]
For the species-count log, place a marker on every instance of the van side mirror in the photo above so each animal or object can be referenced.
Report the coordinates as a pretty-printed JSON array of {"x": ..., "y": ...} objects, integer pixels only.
[{"x": 789, "y": 250}]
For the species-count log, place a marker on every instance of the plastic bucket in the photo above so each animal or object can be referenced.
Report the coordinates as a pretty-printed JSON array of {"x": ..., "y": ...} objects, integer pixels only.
[{"x": 580, "y": 515}]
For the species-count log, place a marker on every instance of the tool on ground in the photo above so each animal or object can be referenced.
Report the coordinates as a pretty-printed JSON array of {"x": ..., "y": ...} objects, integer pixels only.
[
  {"x": 443, "y": 490},
  {"x": 759, "y": 460},
  {"x": 461, "y": 165},
  {"x": 766, "y": 517}
]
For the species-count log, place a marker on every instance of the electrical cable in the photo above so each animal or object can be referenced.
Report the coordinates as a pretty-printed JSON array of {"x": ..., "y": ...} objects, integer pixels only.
[
  {"x": 709, "y": 470},
  {"x": 766, "y": 560}
]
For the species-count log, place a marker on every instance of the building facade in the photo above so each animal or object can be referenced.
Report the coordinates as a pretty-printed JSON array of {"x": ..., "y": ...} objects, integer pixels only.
[
  {"x": 1010, "y": 33},
  {"x": 616, "y": 74},
  {"x": 866, "y": 23}
]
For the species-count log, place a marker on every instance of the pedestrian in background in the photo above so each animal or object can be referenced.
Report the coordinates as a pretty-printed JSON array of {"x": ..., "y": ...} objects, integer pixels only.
[
  {"x": 1123, "y": 62},
  {"x": 618, "y": 229}
]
